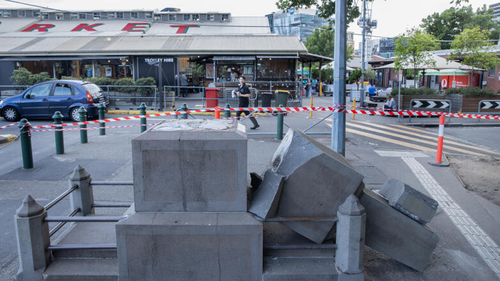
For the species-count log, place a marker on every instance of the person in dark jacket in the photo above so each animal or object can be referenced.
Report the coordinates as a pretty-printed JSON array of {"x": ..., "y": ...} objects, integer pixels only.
[{"x": 243, "y": 94}]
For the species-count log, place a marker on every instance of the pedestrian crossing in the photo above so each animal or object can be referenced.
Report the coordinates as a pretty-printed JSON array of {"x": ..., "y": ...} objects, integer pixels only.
[{"x": 413, "y": 138}]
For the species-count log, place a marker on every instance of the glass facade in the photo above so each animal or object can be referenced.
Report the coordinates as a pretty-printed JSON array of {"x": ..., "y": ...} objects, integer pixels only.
[{"x": 298, "y": 24}]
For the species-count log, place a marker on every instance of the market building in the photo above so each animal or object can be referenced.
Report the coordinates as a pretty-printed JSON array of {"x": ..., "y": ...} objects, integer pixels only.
[{"x": 139, "y": 43}]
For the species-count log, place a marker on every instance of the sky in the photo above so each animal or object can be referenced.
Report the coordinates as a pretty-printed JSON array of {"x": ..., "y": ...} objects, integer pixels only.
[{"x": 393, "y": 16}]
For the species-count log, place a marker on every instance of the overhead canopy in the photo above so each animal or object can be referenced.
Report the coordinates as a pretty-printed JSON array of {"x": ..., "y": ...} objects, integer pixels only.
[
  {"x": 304, "y": 58},
  {"x": 440, "y": 63},
  {"x": 447, "y": 72}
]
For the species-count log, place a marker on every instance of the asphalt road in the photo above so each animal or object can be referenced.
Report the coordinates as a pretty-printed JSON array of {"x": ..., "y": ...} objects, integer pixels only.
[{"x": 109, "y": 158}]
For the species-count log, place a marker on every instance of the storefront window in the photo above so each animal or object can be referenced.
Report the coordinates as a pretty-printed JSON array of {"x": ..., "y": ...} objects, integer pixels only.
[
  {"x": 273, "y": 69},
  {"x": 231, "y": 70}
]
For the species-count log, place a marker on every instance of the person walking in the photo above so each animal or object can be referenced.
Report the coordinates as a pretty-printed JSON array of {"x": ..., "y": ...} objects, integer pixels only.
[
  {"x": 243, "y": 94},
  {"x": 184, "y": 82}
]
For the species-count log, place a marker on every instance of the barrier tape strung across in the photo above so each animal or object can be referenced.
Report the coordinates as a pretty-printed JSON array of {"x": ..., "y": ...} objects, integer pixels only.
[
  {"x": 10, "y": 125},
  {"x": 92, "y": 128},
  {"x": 275, "y": 109}
]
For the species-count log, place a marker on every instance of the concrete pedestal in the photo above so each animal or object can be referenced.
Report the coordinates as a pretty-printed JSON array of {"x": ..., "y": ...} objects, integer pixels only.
[
  {"x": 191, "y": 166},
  {"x": 190, "y": 246}
]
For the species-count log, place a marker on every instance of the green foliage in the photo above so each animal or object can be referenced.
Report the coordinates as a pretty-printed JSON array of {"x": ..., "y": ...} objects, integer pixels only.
[
  {"x": 125, "y": 82},
  {"x": 198, "y": 73},
  {"x": 473, "y": 48},
  {"x": 472, "y": 92},
  {"x": 22, "y": 76},
  {"x": 412, "y": 91},
  {"x": 453, "y": 21},
  {"x": 146, "y": 91},
  {"x": 326, "y": 73},
  {"x": 355, "y": 75},
  {"x": 412, "y": 50},
  {"x": 322, "y": 41},
  {"x": 101, "y": 81},
  {"x": 326, "y": 8}
]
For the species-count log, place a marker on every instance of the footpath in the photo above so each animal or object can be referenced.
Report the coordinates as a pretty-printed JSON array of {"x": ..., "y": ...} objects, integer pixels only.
[{"x": 108, "y": 158}]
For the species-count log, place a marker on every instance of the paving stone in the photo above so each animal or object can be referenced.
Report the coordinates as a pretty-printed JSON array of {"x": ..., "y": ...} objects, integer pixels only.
[
  {"x": 318, "y": 180},
  {"x": 266, "y": 199},
  {"x": 409, "y": 201},
  {"x": 392, "y": 233}
]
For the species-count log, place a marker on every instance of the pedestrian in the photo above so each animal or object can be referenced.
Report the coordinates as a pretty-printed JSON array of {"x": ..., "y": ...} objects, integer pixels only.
[
  {"x": 308, "y": 88},
  {"x": 243, "y": 94},
  {"x": 184, "y": 82},
  {"x": 390, "y": 104},
  {"x": 371, "y": 90}
]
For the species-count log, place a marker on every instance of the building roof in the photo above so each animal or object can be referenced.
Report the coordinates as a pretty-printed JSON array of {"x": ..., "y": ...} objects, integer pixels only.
[{"x": 151, "y": 45}]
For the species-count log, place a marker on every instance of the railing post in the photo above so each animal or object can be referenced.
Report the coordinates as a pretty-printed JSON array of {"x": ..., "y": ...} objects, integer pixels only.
[
  {"x": 217, "y": 112},
  {"x": 83, "y": 117},
  {"x": 184, "y": 108},
  {"x": 83, "y": 196},
  {"x": 142, "y": 109},
  {"x": 227, "y": 112},
  {"x": 102, "y": 115},
  {"x": 350, "y": 240},
  {"x": 32, "y": 240},
  {"x": 59, "y": 137},
  {"x": 279, "y": 131},
  {"x": 26, "y": 143}
]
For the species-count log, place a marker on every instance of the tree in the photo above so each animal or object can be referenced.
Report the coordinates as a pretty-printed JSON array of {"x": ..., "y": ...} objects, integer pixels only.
[
  {"x": 326, "y": 8},
  {"x": 473, "y": 48},
  {"x": 412, "y": 50},
  {"x": 453, "y": 21},
  {"x": 322, "y": 41},
  {"x": 22, "y": 76}
]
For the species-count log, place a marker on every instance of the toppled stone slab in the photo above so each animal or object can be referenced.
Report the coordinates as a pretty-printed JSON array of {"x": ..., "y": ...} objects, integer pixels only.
[
  {"x": 191, "y": 166},
  {"x": 266, "y": 199},
  {"x": 189, "y": 246},
  {"x": 394, "y": 234},
  {"x": 318, "y": 180},
  {"x": 409, "y": 201}
]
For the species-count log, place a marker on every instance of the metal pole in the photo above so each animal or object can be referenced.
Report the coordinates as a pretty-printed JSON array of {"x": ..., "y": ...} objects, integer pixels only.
[
  {"x": 58, "y": 134},
  {"x": 184, "y": 108},
  {"x": 363, "y": 54},
  {"x": 338, "y": 120},
  {"x": 279, "y": 131},
  {"x": 102, "y": 115},
  {"x": 26, "y": 151},
  {"x": 160, "y": 74},
  {"x": 227, "y": 112},
  {"x": 142, "y": 109},
  {"x": 83, "y": 117}
]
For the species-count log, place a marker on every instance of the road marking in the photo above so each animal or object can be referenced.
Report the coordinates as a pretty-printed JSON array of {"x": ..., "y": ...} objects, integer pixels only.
[
  {"x": 447, "y": 139},
  {"x": 392, "y": 153},
  {"x": 480, "y": 241},
  {"x": 401, "y": 143},
  {"x": 447, "y": 147}
]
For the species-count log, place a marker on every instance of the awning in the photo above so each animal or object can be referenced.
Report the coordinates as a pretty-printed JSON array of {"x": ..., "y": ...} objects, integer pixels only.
[
  {"x": 277, "y": 57},
  {"x": 61, "y": 58},
  {"x": 233, "y": 58},
  {"x": 314, "y": 58}
]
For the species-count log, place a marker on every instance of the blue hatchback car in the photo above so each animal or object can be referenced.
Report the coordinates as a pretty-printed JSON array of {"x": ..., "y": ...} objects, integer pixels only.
[{"x": 44, "y": 99}]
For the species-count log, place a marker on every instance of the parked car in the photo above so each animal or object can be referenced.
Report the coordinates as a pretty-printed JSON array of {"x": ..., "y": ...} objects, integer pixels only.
[{"x": 44, "y": 99}]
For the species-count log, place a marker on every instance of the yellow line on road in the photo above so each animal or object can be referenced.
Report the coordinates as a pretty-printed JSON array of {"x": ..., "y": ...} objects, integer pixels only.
[
  {"x": 413, "y": 139},
  {"x": 401, "y": 143},
  {"x": 447, "y": 141}
]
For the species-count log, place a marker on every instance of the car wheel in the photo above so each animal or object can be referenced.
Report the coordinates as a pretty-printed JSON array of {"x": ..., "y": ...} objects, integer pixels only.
[
  {"x": 74, "y": 114},
  {"x": 10, "y": 114}
]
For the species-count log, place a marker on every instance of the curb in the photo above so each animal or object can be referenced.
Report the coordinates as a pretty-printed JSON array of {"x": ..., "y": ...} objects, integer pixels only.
[{"x": 7, "y": 138}]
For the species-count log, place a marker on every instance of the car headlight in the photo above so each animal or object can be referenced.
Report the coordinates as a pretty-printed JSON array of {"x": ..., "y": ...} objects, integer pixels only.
[{"x": 1, "y": 101}]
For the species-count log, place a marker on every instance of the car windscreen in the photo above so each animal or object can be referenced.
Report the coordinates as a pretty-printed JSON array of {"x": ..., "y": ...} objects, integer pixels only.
[{"x": 92, "y": 89}]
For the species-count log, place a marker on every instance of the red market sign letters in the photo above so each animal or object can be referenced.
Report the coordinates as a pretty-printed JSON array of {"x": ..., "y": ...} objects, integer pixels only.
[{"x": 130, "y": 27}]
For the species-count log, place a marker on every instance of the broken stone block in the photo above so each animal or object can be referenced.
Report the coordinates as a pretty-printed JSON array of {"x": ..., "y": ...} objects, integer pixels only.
[
  {"x": 191, "y": 166},
  {"x": 393, "y": 234},
  {"x": 409, "y": 201},
  {"x": 318, "y": 181},
  {"x": 266, "y": 199}
]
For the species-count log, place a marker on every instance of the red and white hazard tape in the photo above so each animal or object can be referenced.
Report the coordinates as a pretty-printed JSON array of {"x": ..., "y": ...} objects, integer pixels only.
[
  {"x": 276, "y": 109},
  {"x": 92, "y": 128},
  {"x": 10, "y": 125}
]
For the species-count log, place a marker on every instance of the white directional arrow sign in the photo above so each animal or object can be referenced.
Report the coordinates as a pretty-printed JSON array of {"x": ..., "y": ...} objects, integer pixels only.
[
  {"x": 487, "y": 105},
  {"x": 431, "y": 104},
  {"x": 444, "y": 104},
  {"x": 417, "y": 103}
]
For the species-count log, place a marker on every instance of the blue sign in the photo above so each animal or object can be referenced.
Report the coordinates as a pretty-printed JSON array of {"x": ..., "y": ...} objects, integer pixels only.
[{"x": 292, "y": 11}]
